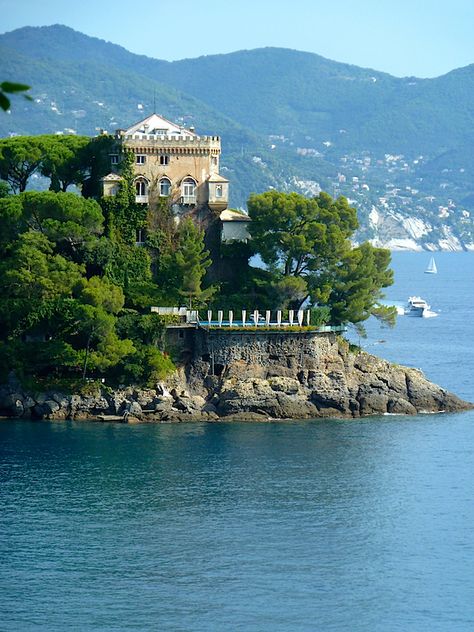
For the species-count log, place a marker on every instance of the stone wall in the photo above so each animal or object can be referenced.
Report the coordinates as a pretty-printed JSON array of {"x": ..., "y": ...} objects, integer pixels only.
[{"x": 291, "y": 350}]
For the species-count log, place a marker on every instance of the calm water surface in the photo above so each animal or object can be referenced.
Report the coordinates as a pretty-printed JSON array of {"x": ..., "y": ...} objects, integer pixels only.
[{"x": 326, "y": 525}]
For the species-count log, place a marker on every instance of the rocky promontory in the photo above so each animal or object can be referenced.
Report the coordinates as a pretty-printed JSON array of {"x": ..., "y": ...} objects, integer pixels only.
[{"x": 258, "y": 377}]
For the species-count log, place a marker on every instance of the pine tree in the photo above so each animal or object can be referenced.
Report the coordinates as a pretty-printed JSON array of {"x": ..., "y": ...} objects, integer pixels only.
[{"x": 192, "y": 261}]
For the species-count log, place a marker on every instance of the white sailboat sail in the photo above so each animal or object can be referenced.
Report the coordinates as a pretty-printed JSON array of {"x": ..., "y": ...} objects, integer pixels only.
[{"x": 431, "y": 269}]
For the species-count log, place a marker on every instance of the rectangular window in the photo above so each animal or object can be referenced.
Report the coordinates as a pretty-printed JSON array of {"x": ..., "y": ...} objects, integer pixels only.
[
  {"x": 164, "y": 160},
  {"x": 114, "y": 159},
  {"x": 140, "y": 236},
  {"x": 141, "y": 159}
]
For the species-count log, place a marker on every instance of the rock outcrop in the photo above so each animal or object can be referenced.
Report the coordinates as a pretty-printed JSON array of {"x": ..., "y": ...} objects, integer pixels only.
[{"x": 265, "y": 378}]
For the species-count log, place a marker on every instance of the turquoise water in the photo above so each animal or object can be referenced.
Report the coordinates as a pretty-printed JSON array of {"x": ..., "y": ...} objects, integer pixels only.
[
  {"x": 326, "y": 525},
  {"x": 443, "y": 347}
]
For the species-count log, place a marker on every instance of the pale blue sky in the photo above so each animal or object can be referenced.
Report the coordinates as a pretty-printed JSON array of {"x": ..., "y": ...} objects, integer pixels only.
[{"x": 424, "y": 38}]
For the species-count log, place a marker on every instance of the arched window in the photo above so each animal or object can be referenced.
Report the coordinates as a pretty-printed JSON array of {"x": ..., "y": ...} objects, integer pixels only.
[
  {"x": 141, "y": 190},
  {"x": 141, "y": 187},
  {"x": 189, "y": 187},
  {"x": 165, "y": 187}
]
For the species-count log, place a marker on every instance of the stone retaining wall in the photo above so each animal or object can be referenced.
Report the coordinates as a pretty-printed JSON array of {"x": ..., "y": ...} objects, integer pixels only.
[{"x": 292, "y": 350}]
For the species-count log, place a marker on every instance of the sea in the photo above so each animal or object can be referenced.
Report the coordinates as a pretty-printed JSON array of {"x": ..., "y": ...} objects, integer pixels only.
[{"x": 359, "y": 525}]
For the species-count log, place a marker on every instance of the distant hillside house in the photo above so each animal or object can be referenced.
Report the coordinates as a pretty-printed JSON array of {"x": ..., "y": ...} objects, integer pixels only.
[{"x": 173, "y": 162}]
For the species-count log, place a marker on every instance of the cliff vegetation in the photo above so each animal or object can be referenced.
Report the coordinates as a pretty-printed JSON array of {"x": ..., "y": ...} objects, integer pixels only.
[{"x": 78, "y": 272}]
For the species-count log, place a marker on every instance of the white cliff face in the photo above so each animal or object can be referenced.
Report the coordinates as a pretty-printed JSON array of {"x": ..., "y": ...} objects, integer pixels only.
[
  {"x": 374, "y": 217},
  {"x": 416, "y": 228},
  {"x": 396, "y": 231},
  {"x": 398, "y": 244},
  {"x": 394, "y": 220},
  {"x": 449, "y": 241},
  {"x": 306, "y": 187}
]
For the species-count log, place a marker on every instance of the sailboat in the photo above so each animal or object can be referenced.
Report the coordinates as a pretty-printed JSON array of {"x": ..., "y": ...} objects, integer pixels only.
[{"x": 431, "y": 269}]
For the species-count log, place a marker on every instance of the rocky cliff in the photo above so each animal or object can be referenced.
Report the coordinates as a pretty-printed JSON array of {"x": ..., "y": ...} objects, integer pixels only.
[{"x": 254, "y": 376}]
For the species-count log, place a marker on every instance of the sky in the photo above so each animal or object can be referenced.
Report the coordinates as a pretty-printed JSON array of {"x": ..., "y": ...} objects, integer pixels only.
[{"x": 422, "y": 38}]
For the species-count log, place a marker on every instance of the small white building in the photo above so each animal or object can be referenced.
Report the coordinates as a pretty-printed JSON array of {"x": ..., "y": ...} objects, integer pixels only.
[{"x": 234, "y": 226}]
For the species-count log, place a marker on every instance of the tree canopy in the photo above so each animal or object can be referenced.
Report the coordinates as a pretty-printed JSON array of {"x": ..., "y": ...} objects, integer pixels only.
[
  {"x": 76, "y": 282},
  {"x": 65, "y": 287},
  {"x": 65, "y": 160},
  {"x": 192, "y": 261},
  {"x": 20, "y": 157},
  {"x": 306, "y": 244}
]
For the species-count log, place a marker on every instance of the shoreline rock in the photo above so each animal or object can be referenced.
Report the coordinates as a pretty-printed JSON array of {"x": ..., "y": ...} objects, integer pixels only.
[{"x": 332, "y": 382}]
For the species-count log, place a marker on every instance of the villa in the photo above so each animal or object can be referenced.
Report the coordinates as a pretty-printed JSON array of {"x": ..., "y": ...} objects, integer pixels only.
[{"x": 173, "y": 162}]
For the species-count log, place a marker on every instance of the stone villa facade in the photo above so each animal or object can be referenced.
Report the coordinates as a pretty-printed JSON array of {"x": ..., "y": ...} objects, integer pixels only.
[{"x": 175, "y": 163}]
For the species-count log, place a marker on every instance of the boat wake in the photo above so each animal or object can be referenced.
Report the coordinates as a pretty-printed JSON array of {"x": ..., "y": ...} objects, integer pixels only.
[
  {"x": 427, "y": 313},
  {"x": 416, "y": 307}
]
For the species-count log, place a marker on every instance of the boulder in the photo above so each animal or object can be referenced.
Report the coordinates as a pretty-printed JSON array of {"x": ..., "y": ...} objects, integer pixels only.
[
  {"x": 16, "y": 407},
  {"x": 163, "y": 406},
  {"x": 51, "y": 406},
  {"x": 134, "y": 409},
  {"x": 400, "y": 406},
  {"x": 373, "y": 404},
  {"x": 117, "y": 403},
  {"x": 146, "y": 398},
  {"x": 287, "y": 385}
]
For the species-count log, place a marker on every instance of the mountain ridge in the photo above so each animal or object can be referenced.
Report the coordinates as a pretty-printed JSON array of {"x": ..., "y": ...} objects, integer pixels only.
[{"x": 288, "y": 119}]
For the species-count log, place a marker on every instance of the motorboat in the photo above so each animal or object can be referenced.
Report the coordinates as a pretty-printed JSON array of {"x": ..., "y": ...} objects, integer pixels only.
[{"x": 416, "y": 306}]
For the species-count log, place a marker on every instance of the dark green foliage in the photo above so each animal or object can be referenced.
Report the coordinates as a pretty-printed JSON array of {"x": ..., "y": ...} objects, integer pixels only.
[
  {"x": 128, "y": 265},
  {"x": 4, "y": 189},
  {"x": 99, "y": 292},
  {"x": 20, "y": 157},
  {"x": 62, "y": 217},
  {"x": 147, "y": 366},
  {"x": 7, "y": 87},
  {"x": 179, "y": 261},
  {"x": 305, "y": 243},
  {"x": 63, "y": 286},
  {"x": 251, "y": 288},
  {"x": 33, "y": 272},
  {"x": 66, "y": 161},
  {"x": 11, "y": 213},
  {"x": 320, "y": 316},
  {"x": 299, "y": 233},
  {"x": 192, "y": 261},
  {"x": 124, "y": 217},
  {"x": 95, "y": 165},
  {"x": 147, "y": 329},
  {"x": 356, "y": 283}
]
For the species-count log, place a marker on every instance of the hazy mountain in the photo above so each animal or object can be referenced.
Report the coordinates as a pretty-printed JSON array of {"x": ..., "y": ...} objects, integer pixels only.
[{"x": 400, "y": 148}]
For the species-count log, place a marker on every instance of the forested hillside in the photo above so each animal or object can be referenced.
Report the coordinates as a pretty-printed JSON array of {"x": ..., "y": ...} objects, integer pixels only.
[{"x": 399, "y": 148}]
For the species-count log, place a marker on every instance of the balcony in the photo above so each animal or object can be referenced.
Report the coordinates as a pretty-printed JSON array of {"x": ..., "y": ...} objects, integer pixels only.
[
  {"x": 189, "y": 200},
  {"x": 141, "y": 199}
]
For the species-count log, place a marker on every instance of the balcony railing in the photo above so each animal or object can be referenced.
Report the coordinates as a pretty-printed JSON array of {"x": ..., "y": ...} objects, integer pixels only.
[
  {"x": 141, "y": 199},
  {"x": 188, "y": 199}
]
